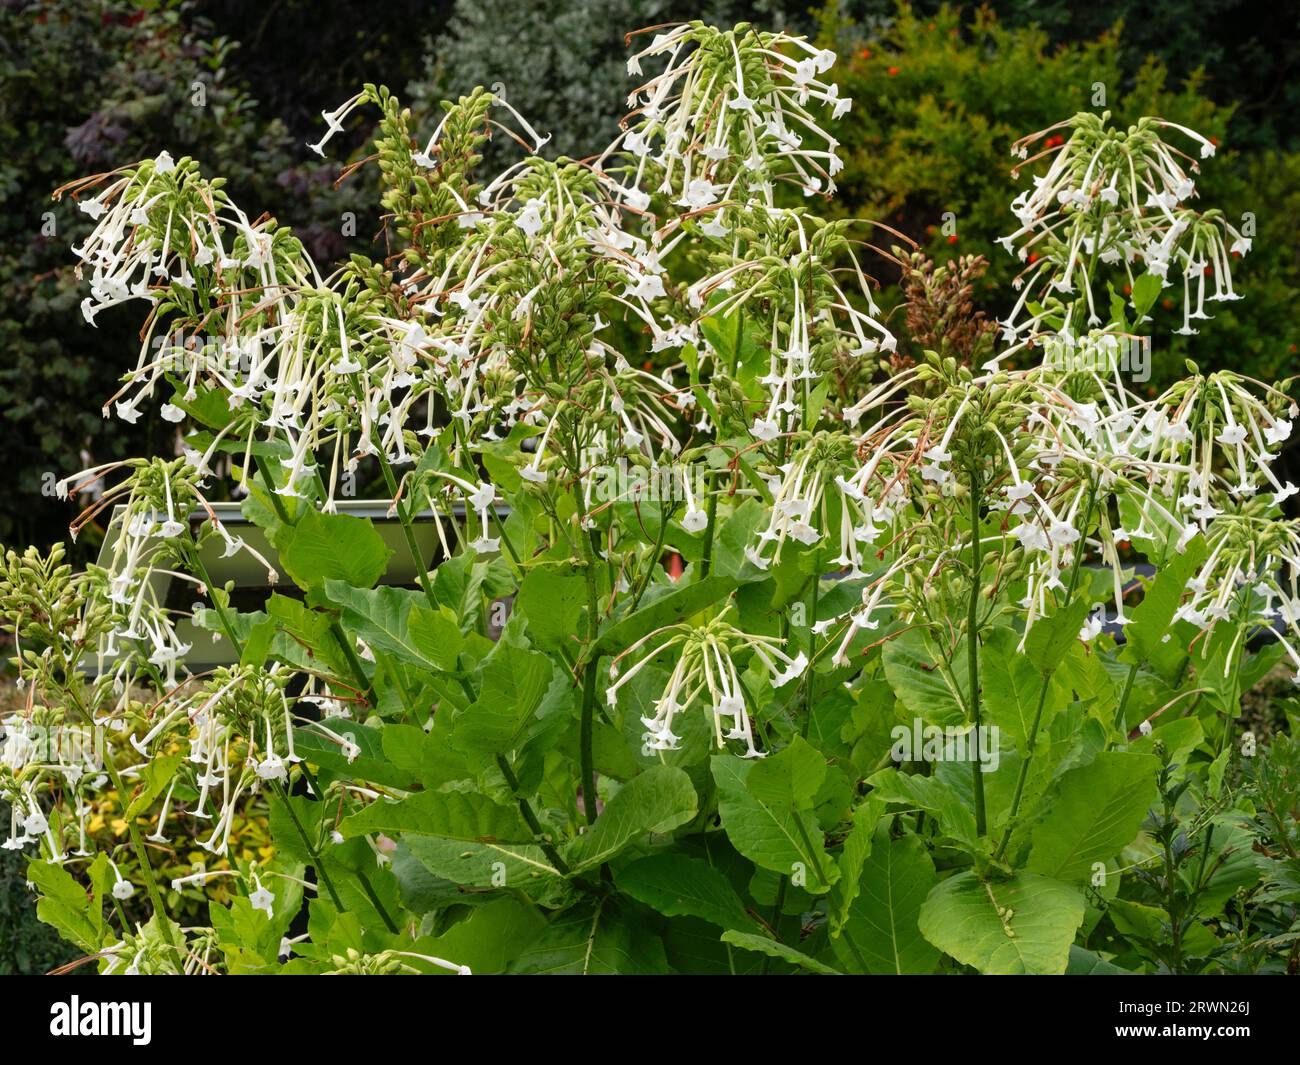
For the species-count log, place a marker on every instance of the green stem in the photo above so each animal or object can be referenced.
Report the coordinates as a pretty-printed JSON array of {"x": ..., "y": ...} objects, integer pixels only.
[
  {"x": 375, "y": 901},
  {"x": 1045, "y": 680},
  {"x": 197, "y": 561},
  {"x": 653, "y": 562},
  {"x": 813, "y": 852},
  {"x": 712, "y": 511},
  {"x": 1123, "y": 699},
  {"x": 972, "y": 650},
  {"x": 408, "y": 531},
  {"x": 142, "y": 856},
  {"x": 586, "y": 731},
  {"x": 354, "y": 663},
  {"x": 809, "y": 675},
  {"x": 277, "y": 504},
  {"x": 777, "y": 907},
  {"x": 590, "y": 666},
  {"x": 312, "y": 851},
  {"x": 530, "y": 818}
]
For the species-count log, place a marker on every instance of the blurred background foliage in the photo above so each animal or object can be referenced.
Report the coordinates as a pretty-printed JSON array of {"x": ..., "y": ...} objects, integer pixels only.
[{"x": 940, "y": 92}]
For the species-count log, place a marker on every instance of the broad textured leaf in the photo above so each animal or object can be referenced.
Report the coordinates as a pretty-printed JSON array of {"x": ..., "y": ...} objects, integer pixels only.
[
  {"x": 678, "y": 885},
  {"x": 1150, "y": 620},
  {"x": 488, "y": 940},
  {"x": 1050, "y": 638},
  {"x": 928, "y": 692},
  {"x": 603, "y": 937},
  {"x": 381, "y": 617},
  {"x": 856, "y": 849},
  {"x": 514, "y": 682},
  {"x": 322, "y": 547},
  {"x": 64, "y": 904},
  {"x": 435, "y": 635},
  {"x": 932, "y": 795},
  {"x": 1093, "y": 813},
  {"x": 657, "y": 800},
  {"x": 457, "y": 584},
  {"x": 423, "y": 756},
  {"x": 370, "y": 762},
  {"x": 668, "y": 609},
  {"x": 156, "y": 776},
  {"x": 882, "y": 933},
  {"x": 449, "y": 814},
  {"x": 769, "y": 831},
  {"x": 1024, "y": 925},
  {"x": 1146, "y": 290},
  {"x": 522, "y": 866},
  {"x": 552, "y": 597},
  {"x": 1012, "y": 686},
  {"x": 793, "y": 775},
  {"x": 1085, "y": 962},
  {"x": 774, "y": 949}
]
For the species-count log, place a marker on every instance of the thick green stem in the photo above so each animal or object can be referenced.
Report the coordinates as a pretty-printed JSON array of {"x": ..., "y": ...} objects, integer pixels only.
[
  {"x": 354, "y": 663},
  {"x": 973, "y": 652},
  {"x": 591, "y": 663},
  {"x": 530, "y": 818},
  {"x": 586, "y": 732},
  {"x": 1124, "y": 695},
  {"x": 711, "y": 509},
  {"x": 809, "y": 676}
]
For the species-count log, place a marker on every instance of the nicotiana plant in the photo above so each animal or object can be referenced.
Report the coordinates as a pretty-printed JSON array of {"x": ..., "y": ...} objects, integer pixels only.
[{"x": 902, "y": 703}]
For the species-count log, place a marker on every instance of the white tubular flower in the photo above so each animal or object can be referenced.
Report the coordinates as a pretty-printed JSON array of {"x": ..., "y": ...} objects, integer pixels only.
[
  {"x": 1114, "y": 200},
  {"x": 703, "y": 134},
  {"x": 704, "y": 674}
]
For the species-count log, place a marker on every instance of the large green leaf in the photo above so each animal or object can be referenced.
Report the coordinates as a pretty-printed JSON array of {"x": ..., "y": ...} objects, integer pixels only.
[
  {"x": 156, "y": 776},
  {"x": 514, "y": 682},
  {"x": 398, "y": 622},
  {"x": 774, "y": 949},
  {"x": 854, "y": 852},
  {"x": 1085, "y": 962},
  {"x": 1024, "y": 925},
  {"x": 1146, "y": 290},
  {"x": 457, "y": 815},
  {"x": 65, "y": 904},
  {"x": 1050, "y": 638},
  {"x": 922, "y": 681},
  {"x": 501, "y": 866},
  {"x": 423, "y": 756},
  {"x": 768, "y": 828},
  {"x": 435, "y": 635},
  {"x": 487, "y": 941},
  {"x": 793, "y": 775},
  {"x": 1147, "y": 632},
  {"x": 551, "y": 598},
  {"x": 657, "y": 800},
  {"x": 881, "y": 934},
  {"x": 932, "y": 795},
  {"x": 322, "y": 547},
  {"x": 603, "y": 936},
  {"x": 369, "y": 760},
  {"x": 668, "y": 609},
  {"x": 1093, "y": 813},
  {"x": 678, "y": 885},
  {"x": 1012, "y": 687}
]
